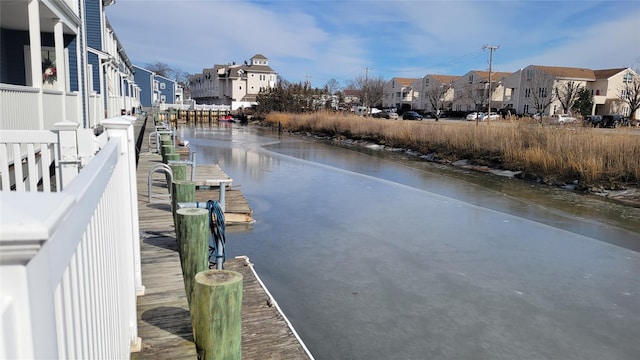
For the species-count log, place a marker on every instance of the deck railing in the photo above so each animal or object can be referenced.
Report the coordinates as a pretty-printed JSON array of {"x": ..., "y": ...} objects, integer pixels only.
[
  {"x": 70, "y": 260},
  {"x": 20, "y": 109}
]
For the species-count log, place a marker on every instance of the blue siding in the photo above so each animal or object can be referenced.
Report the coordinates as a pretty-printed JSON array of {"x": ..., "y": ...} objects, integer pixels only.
[
  {"x": 12, "y": 60},
  {"x": 95, "y": 74},
  {"x": 168, "y": 92},
  {"x": 94, "y": 24},
  {"x": 73, "y": 66},
  {"x": 142, "y": 77}
]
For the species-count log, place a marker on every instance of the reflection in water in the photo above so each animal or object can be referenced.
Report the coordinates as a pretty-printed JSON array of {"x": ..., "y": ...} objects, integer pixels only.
[{"x": 373, "y": 257}]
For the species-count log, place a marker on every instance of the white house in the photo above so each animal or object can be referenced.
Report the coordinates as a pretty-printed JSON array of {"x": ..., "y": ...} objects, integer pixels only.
[
  {"x": 233, "y": 85},
  {"x": 398, "y": 93},
  {"x": 471, "y": 91},
  {"x": 528, "y": 89},
  {"x": 433, "y": 86}
]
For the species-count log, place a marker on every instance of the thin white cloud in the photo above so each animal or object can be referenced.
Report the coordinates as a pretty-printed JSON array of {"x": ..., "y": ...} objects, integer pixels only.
[{"x": 339, "y": 39}]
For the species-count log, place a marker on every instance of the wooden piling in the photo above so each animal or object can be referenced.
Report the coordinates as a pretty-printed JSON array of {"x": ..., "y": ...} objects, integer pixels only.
[
  {"x": 166, "y": 149},
  {"x": 192, "y": 232},
  {"x": 217, "y": 314},
  {"x": 182, "y": 191},
  {"x": 179, "y": 171},
  {"x": 171, "y": 157}
]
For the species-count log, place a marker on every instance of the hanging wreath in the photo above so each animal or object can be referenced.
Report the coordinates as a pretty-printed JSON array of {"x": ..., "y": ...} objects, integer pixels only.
[{"x": 49, "y": 73}]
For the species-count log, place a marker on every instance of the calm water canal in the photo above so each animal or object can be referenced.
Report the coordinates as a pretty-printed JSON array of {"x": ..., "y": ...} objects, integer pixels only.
[{"x": 374, "y": 256}]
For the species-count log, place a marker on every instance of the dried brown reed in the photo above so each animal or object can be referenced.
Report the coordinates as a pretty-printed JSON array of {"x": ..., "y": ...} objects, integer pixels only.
[{"x": 553, "y": 153}]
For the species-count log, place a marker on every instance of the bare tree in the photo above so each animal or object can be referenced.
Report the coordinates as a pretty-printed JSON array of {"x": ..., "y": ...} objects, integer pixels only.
[
  {"x": 539, "y": 90},
  {"x": 630, "y": 92},
  {"x": 371, "y": 89},
  {"x": 435, "y": 96},
  {"x": 161, "y": 69},
  {"x": 333, "y": 86},
  {"x": 567, "y": 93}
]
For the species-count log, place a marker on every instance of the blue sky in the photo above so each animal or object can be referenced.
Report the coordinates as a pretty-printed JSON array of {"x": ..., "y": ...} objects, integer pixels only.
[{"x": 320, "y": 40}]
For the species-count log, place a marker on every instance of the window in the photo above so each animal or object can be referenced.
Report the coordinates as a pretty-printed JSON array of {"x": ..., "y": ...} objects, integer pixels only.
[
  {"x": 627, "y": 78},
  {"x": 470, "y": 78},
  {"x": 527, "y": 93},
  {"x": 529, "y": 74},
  {"x": 526, "y": 109},
  {"x": 426, "y": 81},
  {"x": 163, "y": 98},
  {"x": 542, "y": 92},
  {"x": 162, "y": 86}
]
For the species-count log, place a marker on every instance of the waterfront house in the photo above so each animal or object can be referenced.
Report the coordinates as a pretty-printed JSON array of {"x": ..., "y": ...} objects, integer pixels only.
[
  {"x": 156, "y": 89},
  {"x": 609, "y": 87},
  {"x": 471, "y": 91},
  {"x": 532, "y": 90},
  {"x": 536, "y": 85},
  {"x": 398, "y": 93},
  {"x": 433, "y": 87},
  {"x": 60, "y": 60},
  {"x": 234, "y": 85}
]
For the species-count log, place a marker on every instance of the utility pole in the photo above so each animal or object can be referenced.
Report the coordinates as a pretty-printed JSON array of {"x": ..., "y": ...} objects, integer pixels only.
[
  {"x": 491, "y": 48},
  {"x": 365, "y": 93}
]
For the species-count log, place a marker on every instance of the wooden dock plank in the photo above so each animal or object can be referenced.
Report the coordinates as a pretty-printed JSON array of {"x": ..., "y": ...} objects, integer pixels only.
[{"x": 164, "y": 323}]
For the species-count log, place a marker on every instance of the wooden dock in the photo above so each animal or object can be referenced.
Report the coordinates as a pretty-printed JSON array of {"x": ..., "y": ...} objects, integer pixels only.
[{"x": 164, "y": 322}]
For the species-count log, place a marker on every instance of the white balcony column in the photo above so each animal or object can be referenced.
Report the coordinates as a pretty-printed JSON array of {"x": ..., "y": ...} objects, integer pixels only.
[
  {"x": 35, "y": 49},
  {"x": 61, "y": 66}
]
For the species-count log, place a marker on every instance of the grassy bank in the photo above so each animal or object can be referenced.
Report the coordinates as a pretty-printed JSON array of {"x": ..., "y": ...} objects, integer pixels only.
[{"x": 595, "y": 157}]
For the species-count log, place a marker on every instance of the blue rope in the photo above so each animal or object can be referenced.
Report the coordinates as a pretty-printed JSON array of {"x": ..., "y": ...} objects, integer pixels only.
[{"x": 216, "y": 225}]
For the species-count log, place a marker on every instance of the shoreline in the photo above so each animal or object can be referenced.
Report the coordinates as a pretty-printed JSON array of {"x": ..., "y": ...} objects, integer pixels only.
[{"x": 627, "y": 195}]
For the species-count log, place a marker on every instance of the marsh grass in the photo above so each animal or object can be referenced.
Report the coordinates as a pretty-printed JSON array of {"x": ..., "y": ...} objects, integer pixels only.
[{"x": 553, "y": 153}]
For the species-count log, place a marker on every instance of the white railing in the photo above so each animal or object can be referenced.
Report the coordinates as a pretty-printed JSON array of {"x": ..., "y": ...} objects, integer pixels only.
[
  {"x": 52, "y": 107},
  {"x": 19, "y": 112},
  {"x": 70, "y": 260},
  {"x": 18, "y": 106},
  {"x": 73, "y": 107},
  {"x": 164, "y": 106},
  {"x": 95, "y": 110},
  {"x": 212, "y": 107}
]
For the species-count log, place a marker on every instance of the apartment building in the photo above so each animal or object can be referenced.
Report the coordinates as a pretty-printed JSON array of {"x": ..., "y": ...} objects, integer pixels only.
[
  {"x": 433, "y": 92},
  {"x": 398, "y": 93},
  {"x": 235, "y": 85}
]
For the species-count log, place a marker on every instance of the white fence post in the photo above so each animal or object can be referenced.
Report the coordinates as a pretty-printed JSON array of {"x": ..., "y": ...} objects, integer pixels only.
[
  {"x": 69, "y": 163},
  {"x": 122, "y": 127}
]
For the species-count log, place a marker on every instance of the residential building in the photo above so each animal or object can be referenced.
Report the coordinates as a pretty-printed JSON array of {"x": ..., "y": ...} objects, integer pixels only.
[
  {"x": 61, "y": 60},
  {"x": 535, "y": 89},
  {"x": 433, "y": 89},
  {"x": 532, "y": 90},
  {"x": 398, "y": 93},
  {"x": 351, "y": 97},
  {"x": 608, "y": 88},
  {"x": 471, "y": 91},
  {"x": 233, "y": 85},
  {"x": 156, "y": 89}
]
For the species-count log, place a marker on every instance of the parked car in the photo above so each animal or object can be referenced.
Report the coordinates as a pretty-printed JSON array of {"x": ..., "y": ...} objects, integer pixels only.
[
  {"x": 392, "y": 113},
  {"x": 382, "y": 115},
  {"x": 562, "y": 119},
  {"x": 492, "y": 116},
  {"x": 613, "y": 121},
  {"x": 411, "y": 115},
  {"x": 474, "y": 116},
  {"x": 593, "y": 120}
]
